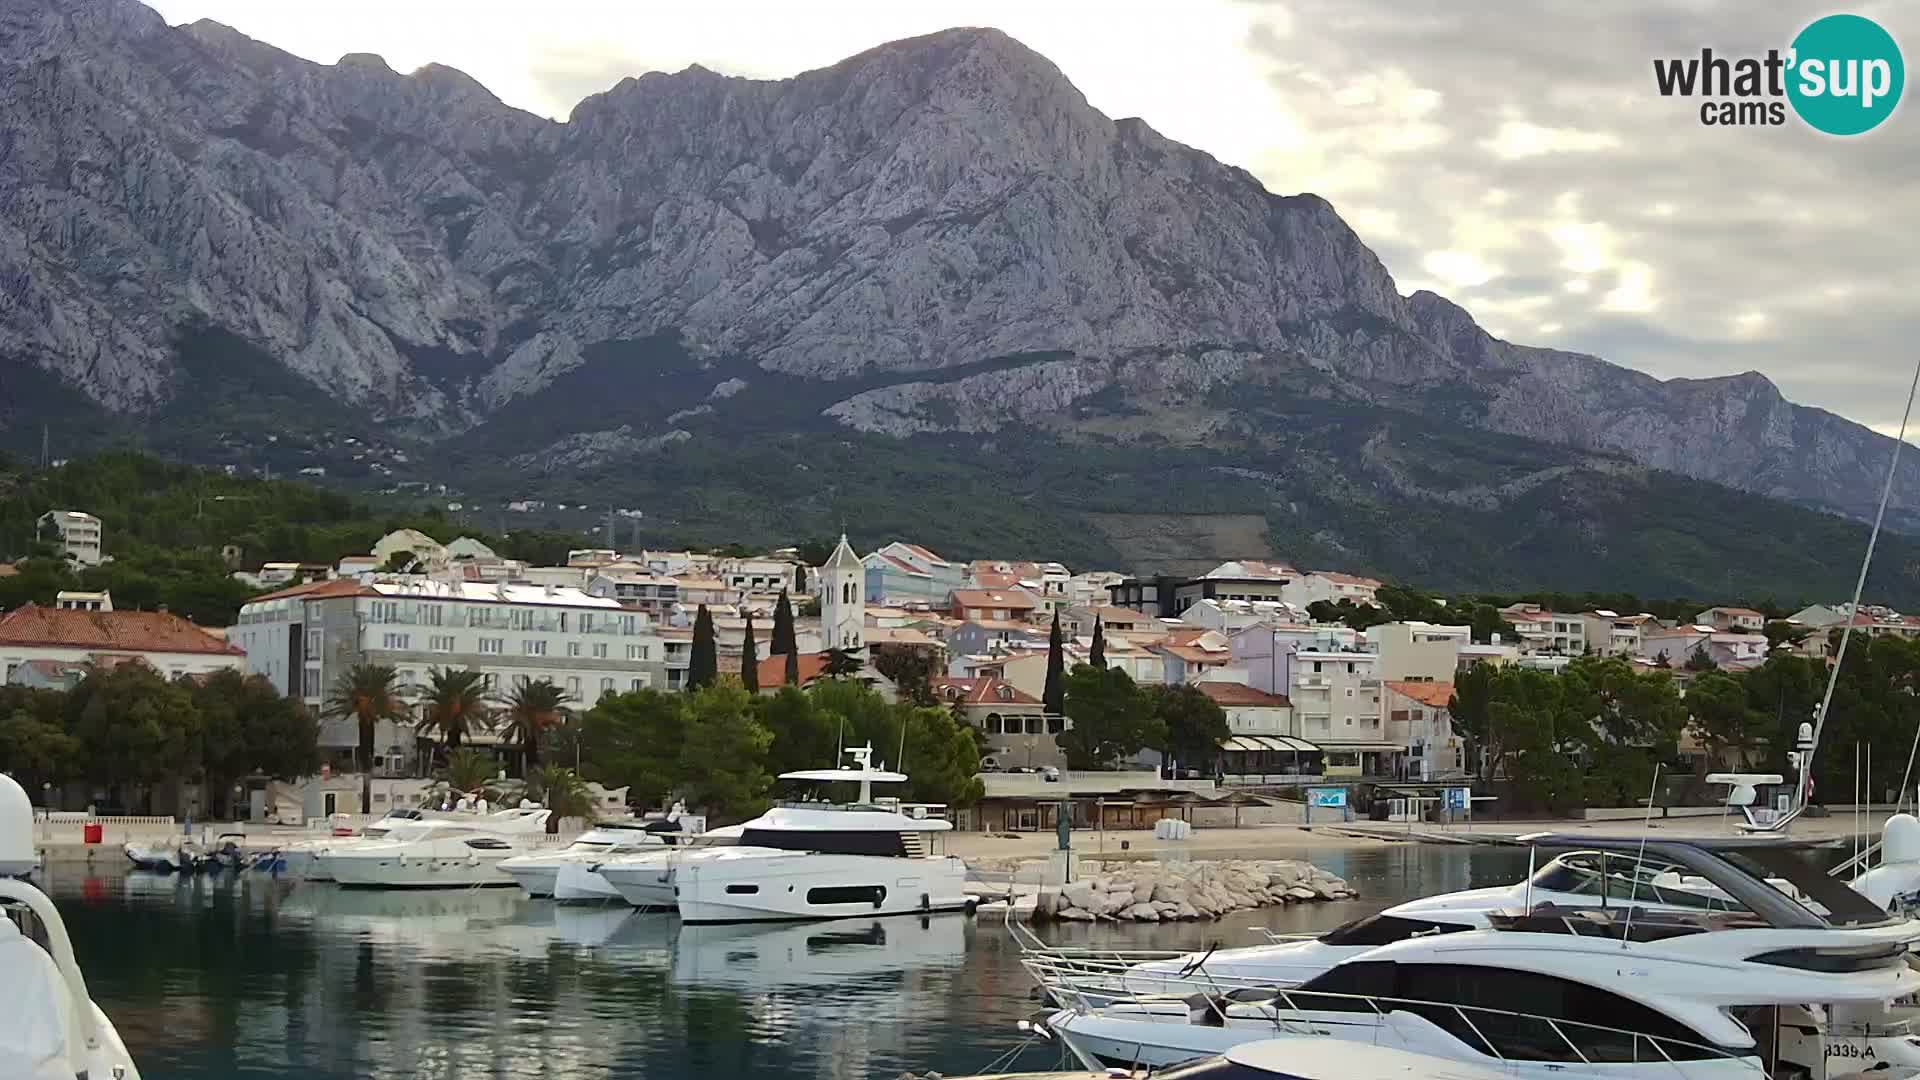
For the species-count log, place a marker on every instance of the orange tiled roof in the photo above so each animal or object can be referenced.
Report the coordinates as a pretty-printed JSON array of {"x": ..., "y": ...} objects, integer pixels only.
[
  {"x": 1230, "y": 693},
  {"x": 993, "y": 598},
  {"x": 773, "y": 669},
  {"x": 1434, "y": 694},
  {"x": 980, "y": 690},
  {"x": 122, "y": 631}
]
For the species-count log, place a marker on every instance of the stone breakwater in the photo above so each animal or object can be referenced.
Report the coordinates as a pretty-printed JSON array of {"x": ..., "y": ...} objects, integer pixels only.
[{"x": 1163, "y": 892}]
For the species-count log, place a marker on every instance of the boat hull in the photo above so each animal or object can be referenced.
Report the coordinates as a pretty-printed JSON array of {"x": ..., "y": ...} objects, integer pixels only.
[
  {"x": 538, "y": 881},
  {"x": 648, "y": 886},
  {"x": 793, "y": 886},
  {"x": 577, "y": 883},
  {"x": 422, "y": 872}
]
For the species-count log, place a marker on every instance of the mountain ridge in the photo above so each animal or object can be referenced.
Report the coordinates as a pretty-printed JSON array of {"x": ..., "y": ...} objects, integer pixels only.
[{"x": 936, "y": 239}]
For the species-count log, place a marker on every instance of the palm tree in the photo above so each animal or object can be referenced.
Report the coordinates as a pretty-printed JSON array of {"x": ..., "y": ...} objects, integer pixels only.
[
  {"x": 531, "y": 710},
  {"x": 469, "y": 769},
  {"x": 367, "y": 695},
  {"x": 455, "y": 704},
  {"x": 560, "y": 790}
]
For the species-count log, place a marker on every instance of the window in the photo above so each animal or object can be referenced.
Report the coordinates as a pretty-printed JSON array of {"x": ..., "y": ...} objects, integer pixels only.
[
  {"x": 488, "y": 843},
  {"x": 1349, "y": 669},
  {"x": 563, "y": 622},
  {"x": 586, "y": 622},
  {"x": 313, "y": 643},
  {"x": 394, "y": 641},
  {"x": 848, "y": 894},
  {"x": 1316, "y": 667},
  {"x": 492, "y": 646},
  {"x": 1349, "y": 691},
  {"x": 1526, "y": 1038},
  {"x": 742, "y": 890},
  {"x": 534, "y": 647},
  {"x": 440, "y": 642},
  {"x": 637, "y": 684},
  {"x": 573, "y": 687},
  {"x": 1056, "y": 725},
  {"x": 430, "y": 614},
  {"x": 600, "y": 650},
  {"x": 573, "y": 648},
  {"x": 312, "y": 683},
  {"x": 995, "y": 725},
  {"x": 629, "y": 624},
  {"x": 636, "y": 652},
  {"x": 1035, "y": 725},
  {"x": 606, "y": 686}
]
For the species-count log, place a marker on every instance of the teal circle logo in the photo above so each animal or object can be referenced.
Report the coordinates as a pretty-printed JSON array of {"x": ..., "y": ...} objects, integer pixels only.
[{"x": 1846, "y": 74}]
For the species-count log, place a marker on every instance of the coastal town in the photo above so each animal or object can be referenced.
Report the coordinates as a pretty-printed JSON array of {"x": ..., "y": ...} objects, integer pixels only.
[{"x": 1257, "y": 681}]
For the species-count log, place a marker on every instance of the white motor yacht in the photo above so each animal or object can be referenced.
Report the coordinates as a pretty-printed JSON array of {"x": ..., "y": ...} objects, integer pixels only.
[
  {"x": 539, "y": 872},
  {"x": 51, "y": 1028},
  {"x": 301, "y": 859},
  {"x": 1556, "y": 990},
  {"x": 827, "y": 862},
  {"x": 433, "y": 854},
  {"x": 645, "y": 878},
  {"x": 1291, "y": 1059}
]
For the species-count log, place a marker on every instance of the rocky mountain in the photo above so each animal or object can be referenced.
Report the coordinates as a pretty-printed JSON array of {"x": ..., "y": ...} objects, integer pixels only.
[{"x": 936, "y": 239}]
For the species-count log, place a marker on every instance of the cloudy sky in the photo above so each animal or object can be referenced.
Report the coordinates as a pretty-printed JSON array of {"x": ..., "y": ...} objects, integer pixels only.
[{"x": 1515, "y": 158}]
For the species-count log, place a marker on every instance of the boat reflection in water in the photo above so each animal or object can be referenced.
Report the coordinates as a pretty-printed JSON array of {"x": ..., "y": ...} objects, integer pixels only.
[{"x": 837, "y": 955}]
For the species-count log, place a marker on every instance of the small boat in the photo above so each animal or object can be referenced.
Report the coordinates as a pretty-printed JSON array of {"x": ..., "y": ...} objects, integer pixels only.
[
  {"x": 51, "y": 1028},
  {"x": 168, "y": 857},
  {"x": 301, "y": 858}
]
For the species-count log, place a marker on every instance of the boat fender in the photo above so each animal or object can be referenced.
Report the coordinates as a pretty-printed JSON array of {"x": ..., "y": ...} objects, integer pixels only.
[
  {"x": 926, "y": 902},
  {"x": 879, "y": 897}
]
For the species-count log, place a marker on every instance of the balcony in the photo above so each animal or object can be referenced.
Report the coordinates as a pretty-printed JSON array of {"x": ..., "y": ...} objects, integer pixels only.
[{"x": 1311, "y": 682}]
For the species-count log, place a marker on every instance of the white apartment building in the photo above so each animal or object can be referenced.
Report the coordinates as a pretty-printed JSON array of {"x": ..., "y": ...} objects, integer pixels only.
[
  {"x": 1541, "y": 630},
  {"x": 1334, "y": 689},
  {"x": 1331, "y": 586},
  {"x": 750, "y": 576},
  {"x": 1610, "y": 633},
  {"x": 306, "y": 637},
  {"x": 76, "y": 534},
  {"x": 1418, "y": 651}
]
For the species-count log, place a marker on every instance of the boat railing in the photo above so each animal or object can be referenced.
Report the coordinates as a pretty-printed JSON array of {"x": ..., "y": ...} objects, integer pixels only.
[
  {"x": 1116, "y": 974},
  {"x": 1528, "y": 1037}
]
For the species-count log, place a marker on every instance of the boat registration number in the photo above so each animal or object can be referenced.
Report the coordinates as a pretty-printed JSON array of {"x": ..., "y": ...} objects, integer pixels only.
[{"x": 1859, "y": 1051}]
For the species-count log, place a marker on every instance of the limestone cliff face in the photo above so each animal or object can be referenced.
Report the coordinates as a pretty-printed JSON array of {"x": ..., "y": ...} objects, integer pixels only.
[{"x": 417, "y": 247}]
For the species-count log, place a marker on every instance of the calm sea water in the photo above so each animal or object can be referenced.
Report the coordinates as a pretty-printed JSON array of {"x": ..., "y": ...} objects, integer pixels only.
[{"x": 241, "y": 976}]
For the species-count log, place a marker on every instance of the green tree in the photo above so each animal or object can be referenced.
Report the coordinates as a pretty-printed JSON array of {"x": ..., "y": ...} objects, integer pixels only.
[
  {"x": 456, "y": 704},
  {"x": 634, "y": 740},
  {"x": 1356, "y": 616},
  {"x": 803, "y": 735},
  {"x": 1724, "y": 720},
  {"x": 750, "y": 660},
  {"x": 1111, "y": 718},
  {"x": 560, "y": 790},
  {"x": 790, "y": 674},
  {"x": 249, "y": 727},
  {"x": 703, "y": 663},
  {"x": 532, "y": 710},
  {"x": 400, "y": 562},
  {"x": 1485, "y": 621},
  {"x": 134, "y": 728},
  {"x": 782, "y": 642},
  {"x": 911, "y": 670},
  {"x": 1053, "y": 696},
  {"x": 1780, "y": 632},
  {"x": 365, "y": 694},
  {"x": 1194, "y": 723},
  {"x": 34, "y": 745},
  {"x": 470, "y": 769},
  {"x": 843, "y": 664},
  {"x": 1698, "y": 660},
  {"x": 941, "y": 758},
  {"x": 1471, "y": 711},
  {"x": 1097, "y": 653},
  {"x": 723, "y": 760}
]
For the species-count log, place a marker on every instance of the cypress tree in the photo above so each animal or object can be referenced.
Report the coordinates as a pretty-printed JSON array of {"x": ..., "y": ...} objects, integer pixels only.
[
  {"x": 1097, "y": 656},
  {"x": 782, "y": 627},
  {"x": 750, "y": 660},
  {"x": 703, "y": 663},
  {"x": 792, "y": 676},
  {"x": 1054, "y": 698}
]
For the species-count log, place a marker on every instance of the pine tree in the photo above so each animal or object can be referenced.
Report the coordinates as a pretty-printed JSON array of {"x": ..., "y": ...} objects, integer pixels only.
[
  {"x": 703, "y": 665},
  {"x": 1097, "y": 655},
  {"x": 782, "y": 641},
  {"x": 1055, "y": 695},
  {"x": 750, "y": 661}
]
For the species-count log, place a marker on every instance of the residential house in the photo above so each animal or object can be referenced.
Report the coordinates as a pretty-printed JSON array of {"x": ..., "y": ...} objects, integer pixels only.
[
  {"x": 1418, "y": 651},
  {"x": 591, "y": 558},
  {"x": 1546, "y": 631},
  {"x": 975, "y": 636},
  {"x": 1332, "y": 587},
  {"x": 1079, "y": 621},
  {"x": 1010, "y": 605},
  {"x": 1243, "y": 579},
  {"x": 633, "y": 586},
  {"x": 1496, "y": 652},
  {"x": 352, "y": 566},
  {"x": 163, "y": 641},
  {"x": 424, "y": 549},
  {"x": 1727, "y": 649},
  {"x": 305, "y": 638},
  {"x": 1609, "y": 633},
  {"x": 1229, "y": 615},
  {"x": 1820, "y": 616},
  {"x": 1417, "y": 718},
  {"x": 1334, "y": 688},
  {"x": 908, "y": 574},
  {"x": 1018, "y": 731},
  {"x": 1732, "y": 618},
  {"x": 756, "y": 575},
  {"x": 76, "y": 534},
  {"x": 1191, "y": 655},
  {"x": 1262, "y": 741},
  {"x": 1092, "y": 587}
]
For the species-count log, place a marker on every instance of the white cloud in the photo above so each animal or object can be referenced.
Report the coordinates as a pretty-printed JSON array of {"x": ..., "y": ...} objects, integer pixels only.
[
  {"x": 1518, "y": 139},
  {"x": 1459, "y": 269}
]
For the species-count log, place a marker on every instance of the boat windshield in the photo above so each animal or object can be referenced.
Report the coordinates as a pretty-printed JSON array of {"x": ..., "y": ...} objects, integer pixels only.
[{"x": 1612, "y": 877}]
